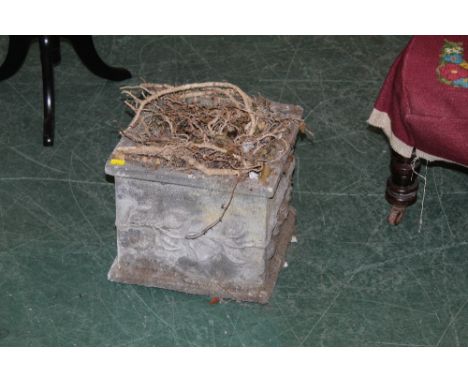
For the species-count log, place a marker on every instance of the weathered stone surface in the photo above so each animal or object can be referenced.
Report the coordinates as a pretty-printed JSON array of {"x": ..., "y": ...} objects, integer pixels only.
[{"x": 157, "y": 210}]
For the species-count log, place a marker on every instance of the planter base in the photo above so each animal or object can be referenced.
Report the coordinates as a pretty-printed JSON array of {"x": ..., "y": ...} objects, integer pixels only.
[{"x": 141, "y": 272}]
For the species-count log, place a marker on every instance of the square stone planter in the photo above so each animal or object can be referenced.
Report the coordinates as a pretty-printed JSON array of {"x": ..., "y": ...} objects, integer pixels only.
[{"x": 158, "y": 210}]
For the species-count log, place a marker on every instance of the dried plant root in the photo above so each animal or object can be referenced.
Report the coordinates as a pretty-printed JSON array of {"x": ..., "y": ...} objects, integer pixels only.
[
  {"x": 188, "y": 87},
  {"x": 212, "y": 127},
  {"x": 192, "y": 236}
]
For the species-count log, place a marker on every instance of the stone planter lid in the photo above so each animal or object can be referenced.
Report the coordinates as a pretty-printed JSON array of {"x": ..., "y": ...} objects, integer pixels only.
[{"x": 196, "y": 179}]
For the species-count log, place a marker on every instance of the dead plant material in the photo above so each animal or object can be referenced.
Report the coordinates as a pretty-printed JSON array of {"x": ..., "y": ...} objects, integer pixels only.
[
  {"x": 192, "y": 236},
  {"x": 213, "y": 127}
]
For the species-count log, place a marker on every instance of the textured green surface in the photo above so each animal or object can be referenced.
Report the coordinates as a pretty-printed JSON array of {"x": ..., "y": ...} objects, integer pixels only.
[{"x": 351, "y": 280}]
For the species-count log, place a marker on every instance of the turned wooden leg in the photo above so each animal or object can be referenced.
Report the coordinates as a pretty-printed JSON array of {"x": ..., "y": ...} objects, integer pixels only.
[
  {"x": 402, "y": 186},
  {"x": 50, "y": 55},
  {"x": 47, "y": 57}
]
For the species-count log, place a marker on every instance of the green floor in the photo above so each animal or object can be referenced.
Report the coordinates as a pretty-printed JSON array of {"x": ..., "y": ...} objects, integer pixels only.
[{"x": 352, "y": 279}]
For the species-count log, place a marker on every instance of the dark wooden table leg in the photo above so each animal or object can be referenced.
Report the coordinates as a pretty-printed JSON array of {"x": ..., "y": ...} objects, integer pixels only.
[
  {"x": 402, "y": 186},
  {"x": 18, "y": 47},
  {"x": 47, "y": 60},
  {"x": 50, "y": 56},
  {"x": 84, "y": 48}
]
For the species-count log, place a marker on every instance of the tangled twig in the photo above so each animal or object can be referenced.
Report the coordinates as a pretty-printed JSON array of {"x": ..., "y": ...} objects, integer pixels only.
[
  {"x": 212, "y": 127},
  {"x": 188, "y": 87},
  {"x": 192, "y": 236}
]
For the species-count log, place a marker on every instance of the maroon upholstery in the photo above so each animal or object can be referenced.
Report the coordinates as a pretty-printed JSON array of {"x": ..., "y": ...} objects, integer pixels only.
[{"x": 423, "y": 103}]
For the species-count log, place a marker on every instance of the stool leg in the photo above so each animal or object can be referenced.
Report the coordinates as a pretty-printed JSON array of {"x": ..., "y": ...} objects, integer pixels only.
[
  {"x": 84, "y": 48},
  {"x": 18, "y": 47},
  {"x": 47, "y": 58},
  {"x": 402, "y": 186}
]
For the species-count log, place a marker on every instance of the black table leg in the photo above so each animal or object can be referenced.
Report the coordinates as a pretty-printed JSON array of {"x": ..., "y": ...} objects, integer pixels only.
[
  {"x": 84, "y": 48},
  {"x": 48, "y": 56},
  {"x": 18, "y": 47}
]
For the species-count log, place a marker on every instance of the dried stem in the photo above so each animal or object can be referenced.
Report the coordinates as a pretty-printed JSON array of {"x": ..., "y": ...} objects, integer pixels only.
[
  {"x": 182, "y": 88},
  {"x": 192, "y": 236},
  {"x": 212, "y": 127}
]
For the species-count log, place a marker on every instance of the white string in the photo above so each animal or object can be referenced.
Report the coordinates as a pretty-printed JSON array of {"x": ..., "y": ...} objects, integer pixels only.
[{"x": 424, "y": 178}]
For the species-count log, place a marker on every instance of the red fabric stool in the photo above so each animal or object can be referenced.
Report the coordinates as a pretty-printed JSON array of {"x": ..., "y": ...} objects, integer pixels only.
[{"x": 423, "y": 110}]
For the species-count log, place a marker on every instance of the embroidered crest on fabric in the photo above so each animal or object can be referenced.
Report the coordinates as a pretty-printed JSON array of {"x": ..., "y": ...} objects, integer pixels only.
[{"x": 453, "y": 69}]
